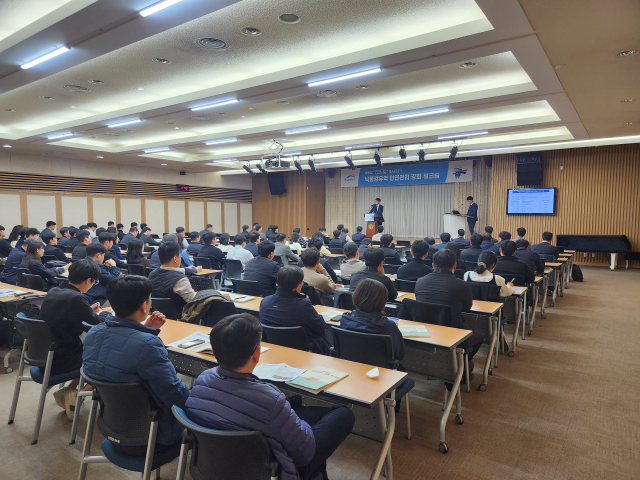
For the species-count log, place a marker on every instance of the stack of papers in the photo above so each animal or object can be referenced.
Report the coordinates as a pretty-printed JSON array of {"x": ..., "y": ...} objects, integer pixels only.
[
  {"x": 239, "y": 298},
  {"x": 277, "y": 372},
  {"x": 331, "y": 314},
  {"x": 5, "y": 292},
  {"x": 401, "y": 294},
  {"x": 317, "y": 379},
  {"x": 414, "y": 331}
]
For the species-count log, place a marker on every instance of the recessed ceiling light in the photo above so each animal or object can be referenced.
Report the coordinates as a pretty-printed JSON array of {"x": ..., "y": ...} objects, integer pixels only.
[
  {"x": 8, "y": 110},
  {"x": 218, "y": 104},
  {"x": 242, "y": 116},
  {"x": 76, "y": 88},
  {"x": 626, "y": 100},
  {"x": 291, "y": 153},
  {"x": 251, "y": 108},
  {"x": 315, "y": 128},
  {"x": 468, "y": 65},
  {"x": 458, "y": 135},
  {"x": 177, "y": 128},
  {"x": 327, "y": 93},
  {"x": 157, "y": 7},
  {"x": 97, "y": 82},
  {"x": 224, "y": 160},
  {"x": 121, "y": 124},
  {"x": 140, "y": 88},
  {"x": 629, "y": 123},
  {"x": 163, "y": 164},
  {"x": 99, "y": 156},
  {"x": 364, "y": 145},
  {"x": 213, "y": 43},
  {"x": 199, "y": 118},
  {"x": 73, "y": 106},
  {"x": 345, "y": 77},
  {"x": 159, "y": 149},
  {"x": 221, "y": 140},
  {"x": 627, "y": 53},
  {"x": 163, "y": 61},
  {"x": 46, "y": 57},
  {"x": 6, "y": 146},
  {"x": 489, "y": 148},
  {"x": 46, "y": 97},
  {"x": 251, "y": 31},
  {"x": 418, "y": 114},
  {"x": 362, "y": 87},
  {"x": 60, "y": 136},
  {"x": 220, "y": 113},
  {"x": 289, "y": 18}
]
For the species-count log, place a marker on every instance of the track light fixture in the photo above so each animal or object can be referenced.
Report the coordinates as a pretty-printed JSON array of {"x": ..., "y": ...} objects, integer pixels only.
[
  {"x": 453, "y": 152},
  {"x": 349, "y": 162},
  {"x": 296, "y": 164},
  {"x": 312, "y": 166},
  {"x": 248, "y": 169},
  {"x": 376, "y": 157},
  {"x": 261, "y": 168},
  {"x": 403, "y": 153},
  {"x": 421, "y": 155}
]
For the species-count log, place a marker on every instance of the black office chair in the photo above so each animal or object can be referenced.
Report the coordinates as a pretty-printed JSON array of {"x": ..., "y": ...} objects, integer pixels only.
[
  {"x": 149, "y": 270},
  {"x": 425, "y": 312},
  {"x": 376, "y": 242},
  {"x": 202, "y": 282},
  {"x": 406, "y": 285},
  {"x": 48, "y": 258},
  {"x": 485, "y": 292},
  {"x": 21, "y": 279},
  {"x": 204, "y": 262},
  {"x": 547, "y": 258},
  {"x": 470, "y": 265},
  {"x": 149, "y": 249},
  {"x": 454, "y": 247},
  {"x": 35, "y": 282},
  {"x": 135, "y": 269},
  {"x": 216, "y": 312},
  {"x": 403, "y": 243},
  {"x": 167, "y": 307},
  {"x": 311, "y": 292},
  {"x": 224, "y": 455},
  {"x": 127, "y": 417},
  {"x": 372, "y": 349},
  {"x": 292, "y": 337},
  {"x": 233, "y": 269},
  {"x": 63, "y": 248},
  {"x": 343, "y": 299},
  {"x": 390, "y": 269},
  {"x": 246, "y": 287},
  {"x": 280, "y": 261},
  {"x": 337, "y": 250},
  {"x": 459, "y": 272},
  {"x": 70, "y": 249},
  {"x": 345, "y": 280}
]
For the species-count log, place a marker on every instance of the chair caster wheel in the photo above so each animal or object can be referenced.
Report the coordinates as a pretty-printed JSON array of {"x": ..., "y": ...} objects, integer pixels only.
[
  {"x": 543, "y": 316},
  {"x": 529, "y": 332},
  {"x": 511, "y": 353},
  {"x": 443, "y": 447},
  {"x": 491, "y": 371},
  {"x": 482, "y": 387},
  {"x": 8, "y": 370},
  {"x": 459, "y": 420}
]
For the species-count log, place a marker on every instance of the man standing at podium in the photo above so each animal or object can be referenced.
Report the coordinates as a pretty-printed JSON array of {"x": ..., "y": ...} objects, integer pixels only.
[
  {"x": 377, "y": 209},
  {"x": 472, "y": 214}
]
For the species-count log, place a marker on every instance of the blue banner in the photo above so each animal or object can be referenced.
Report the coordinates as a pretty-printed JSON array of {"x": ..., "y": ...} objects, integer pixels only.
[{"x": 421, "y": 173}]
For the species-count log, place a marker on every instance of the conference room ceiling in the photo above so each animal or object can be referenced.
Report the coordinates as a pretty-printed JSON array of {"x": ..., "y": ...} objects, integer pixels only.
[{"x": 481, "y": 60}]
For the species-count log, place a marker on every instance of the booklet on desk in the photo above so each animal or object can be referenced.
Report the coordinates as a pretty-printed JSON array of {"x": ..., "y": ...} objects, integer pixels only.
[
  {"x": 317, "y": 379},
  {"x": 328, "y": 315},
  {"x": 414, "y": 331},
  {"x": 276, "y": 372}
]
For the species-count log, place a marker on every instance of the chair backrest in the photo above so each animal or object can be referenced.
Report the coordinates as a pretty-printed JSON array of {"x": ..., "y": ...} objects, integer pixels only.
[
  {"x": 203, "y": 262},
  {"x": 454, "y": 247},
  {"x": 39, "y": 340},
  {"x": 166, "y": 306},
  {"x": 226, "y": 455},
  {"x": 34, "y": 282},
  {"x": 148, "y": 248},
  {"x": 485, "y": 292},
  {"x": 22, "y": 281},
  {"x": 311, "y": 292},
  {"x": 518, "y": 280},
  {"x": 292, "y": 337},
  {"x": 135, "y": 269},
  {"x": 470, "y": 265},
  {"x": 336, "y": 250},
  {"x": 149, "y": 270},
  {"x": 217, "y": 311},
  {"x": 344, "y": 299},
  {"x": 345, "y": 280},
  {"x": 203, "y": 282},
  {"x": 425, "y": 312},
  {"x": 403, "y": 243},
  {"x": 547, "y": 258},
  {"x": 246, "y": 287},
  {"x": 406, "y": 285},
  {"x": 361, "y": 347},
  {"x": 126, "y": 411},
  {"x": 63, "y": 248},
  {"x": 49, "y": 258},
  {"x": 279, "y": 260},
  {"x": 233, "y": 268},
  {"x": 459, "y": 272},
  {"x": 389, "y": 268},
  {"x": 376, "y": 242},
  {"x": 70, "y": 249}
]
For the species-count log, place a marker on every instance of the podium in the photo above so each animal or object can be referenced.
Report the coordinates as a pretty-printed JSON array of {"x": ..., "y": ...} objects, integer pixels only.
[
  {"x": 371, "y": 220},
  {"x": 452, "y": 223}
]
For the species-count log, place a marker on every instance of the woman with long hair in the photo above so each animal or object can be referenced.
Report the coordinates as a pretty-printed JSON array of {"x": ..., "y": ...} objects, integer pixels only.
[
  {"x": 224, "y": 243},
  {"x": 483, "y": 273},
  {"x": 15, "y": 234},
  {"x": 294, "y": 243},
  {"x": 135, "y": 254},
  {"x": 183, "y": 251},
  {"x": 32, "y": 261}
]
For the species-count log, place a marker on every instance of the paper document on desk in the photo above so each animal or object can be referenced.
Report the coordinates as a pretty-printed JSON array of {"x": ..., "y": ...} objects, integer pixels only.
[
  {"x": 206, "y": 348},
  {"x": 317, "y": 379},
  {"x": 414, "y": 331},
  {"x": 401, "y": 294},
  {"x": 238, "y": 298},
  {"x": 277, "y": 372},
  {"x": 200, "y": 337},
  {"x": 330, "y": 314}
]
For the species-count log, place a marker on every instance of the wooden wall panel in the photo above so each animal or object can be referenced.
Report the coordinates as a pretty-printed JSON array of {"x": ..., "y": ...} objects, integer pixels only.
[
  {"x": 598, "y": 194},
  {"x": 340, "y": 203},
  {"x": 315, "y": 214},
  {"x": 288, "y": 210}
]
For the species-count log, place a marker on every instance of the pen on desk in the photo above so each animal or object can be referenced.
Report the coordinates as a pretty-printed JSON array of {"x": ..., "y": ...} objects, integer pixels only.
[{"x": 512, "y": 280}]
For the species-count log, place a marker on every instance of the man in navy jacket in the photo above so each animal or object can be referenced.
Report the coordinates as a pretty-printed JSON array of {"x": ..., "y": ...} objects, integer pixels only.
[
  {"x": 416, "y": 268},
  {"x": 10, "y": 274},
  {"x": 108, "y": 272},
  {"x": 358, "y": 236},
  {"x": 288, "y": 307},
  {"x": 463, "y": 242},
  {"x": 528, "y": 256},
  {"x": 210, "y": 251},
  {"x": 377, "y": 209},
  {"x": 472, "y": 214},
  {"x": 263, "y": 269}
]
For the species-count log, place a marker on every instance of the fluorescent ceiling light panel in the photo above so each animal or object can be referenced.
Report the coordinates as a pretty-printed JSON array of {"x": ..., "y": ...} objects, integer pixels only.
[
  {"x": 157, "y": 7},
  {"x": 458, "y": 135},
  {"x": 219, "y": 104},
  {"x": 489, "y": 148},
  {"x": 328, "y": 163},
  {"x": 60, "y": 136},
  {"x": 292, "y": 153},
  {"x": 221, "y": 140},
  {"x": 6, "y": 146},
  {"x": 224, "y": 160},
  {"x": 363, "y": 145},
  {"x": 154, "y": 150},
  {"x": 345, "y": 77},
  {"x": 122, "y": 124},
  {"x": 419, "y": 114},
  {"x": 315, "y": 128},
  {"x": 46, "y": 57}
]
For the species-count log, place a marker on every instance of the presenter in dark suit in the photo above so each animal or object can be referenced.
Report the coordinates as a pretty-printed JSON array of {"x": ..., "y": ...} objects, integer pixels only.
[
  {"x": 378, "y": 209},
  {"x": 472, "y": 214}
]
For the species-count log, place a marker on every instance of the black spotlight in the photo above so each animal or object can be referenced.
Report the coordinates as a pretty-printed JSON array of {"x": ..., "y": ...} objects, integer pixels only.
[
  {"x": 453, "y": 153},
  {"x": 376, "y": 157},
  {"x": 261, "y": 168},
  {"x": 312, "y": 167},
  {"x": 246, "y": 167},
  {"x": 403, "y": 153},
  {"x": 421, "y": 156},
  {"x": 349, "y": 162},
  {"x": 296, "y": 163}
]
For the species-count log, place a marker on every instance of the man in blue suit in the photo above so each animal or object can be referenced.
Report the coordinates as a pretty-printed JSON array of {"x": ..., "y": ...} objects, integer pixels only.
[
  {"x": 472, "y": 214},
  {"x": 378, "y": 209}
]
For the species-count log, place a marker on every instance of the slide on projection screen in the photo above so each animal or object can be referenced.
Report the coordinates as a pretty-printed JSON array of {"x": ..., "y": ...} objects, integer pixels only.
[{"x": 531, "y": 201}]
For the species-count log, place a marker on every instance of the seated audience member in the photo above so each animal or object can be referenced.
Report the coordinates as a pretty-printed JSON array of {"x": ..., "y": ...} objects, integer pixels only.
[
  {"x": 5, "y": 245},
  {"x": 91, "y": 228},
  {"x": 229, "y": 397},
  {"x": 126, "y": 349},
  {"x": 133, "y": 224},
  {"x": 269, "y": 231},
  {"x": 169, "y": 281},
  {"x": 27, "y": 234},
  {"x": 238, "y": 252},
  {"x": 274, "y": 233},
  {"x": 108, "y": 272},
  {"x": 133, "y": 233},
  {"x": 416, "y": 268},
  {"x": 444, "y": 239},
  {"x": 364, "y": 244},
  {"x": 489, "y": 244},
  {"x": 472, "y": 253},
  {"x": 294, "y": 243},
  {"x": 64, "y": 236},
  {"x": 107, "y": 239},
  {"x": 345, "y": 233},
  {"x": 283, "y": 250},
  {"x": 224, "y": 243},
  {"x": 315, "y": 274},
  {"x": 147, "y": 239},
  {"x": 98, "y": 232},
  {"x": 32, "y": 261},
  {"x": 444, "y": 288},
  {"x": 340, "y": 227},
  {"x": 460, "y": 240},
  {"x": 263, "y": 269},
  {"x": 370, "y": 299},
  {"x": 80, "y": 250},
  {"x": 432, "y": 249},
  {"x": 258, "y": 228},
  {"x": 142, "y": 225},
  {"x": 508, "y": 264},
  {"x": 50, "y": 241},
  {"x": 489, "y": 229},
  {"x": 183, "y": 253},
  {"x": 353, "y": 263},
  {"x": 15, "y": 235},
  {"x": 358, "y": 236},
  {"x": 318, "y": 244},
  {"x": 207, "y": 229},
  {"x": 528, "y": 256},
  {"x": 9, "y": 274},
  {"x": 521, "y": 233},
  {"x": 245, "y": 232},
  {"x": 483, "y": 274},
  {"x": 378, "y": 236},
  {"x": 503, "y": 236},
  {"x": 336, "y": 241},
  {"x": 195, "y": 245},
  {"x": 392, "y": 257},
  {"x": 252, "y": 244},
  {"x": 154, "y": 259},
  {"x": 181, "y": 239},
  {"x": 64, "y": 309},
  {"x": 120, "y": 231},
  {"x": 115, "y": 248},
  {"x": 322, "y": 234},
  {"x": 51, "y": 226},
  {"x": 210, "y": 251},
  {"x": 374, "y": 269},
  {"x": 73, "y": 241},
  {"x": 544, "y": 247},
  {"x": 110, "y": 224},
  {"x": 288, "y": 307},
  {"x": 135, "y": 255},
  {"x": 301, "y": 239}
]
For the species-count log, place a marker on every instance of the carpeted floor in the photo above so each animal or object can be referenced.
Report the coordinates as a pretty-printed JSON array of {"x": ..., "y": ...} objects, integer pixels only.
[{"x": 565, "y": 407}]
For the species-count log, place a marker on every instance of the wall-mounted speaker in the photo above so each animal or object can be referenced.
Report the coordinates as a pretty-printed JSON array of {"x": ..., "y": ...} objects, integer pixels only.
[
  {"x": 276, "y": 183},
  {"x": 529, "y": 169}
]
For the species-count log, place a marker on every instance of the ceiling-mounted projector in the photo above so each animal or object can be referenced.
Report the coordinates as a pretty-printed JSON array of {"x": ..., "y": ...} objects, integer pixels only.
[{"x": 273, "y": 163}]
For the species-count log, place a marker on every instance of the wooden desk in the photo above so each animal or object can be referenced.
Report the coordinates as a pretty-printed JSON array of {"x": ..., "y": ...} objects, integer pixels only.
[
  {"x": 207, "y": 271},
  {"x": 68, "y": 254},
  {"x": 570, "y": 251},
  {"x": 356, "y": 388},
  {"x": 479, "y": 306},
  {"x": 15, "y": 298}
]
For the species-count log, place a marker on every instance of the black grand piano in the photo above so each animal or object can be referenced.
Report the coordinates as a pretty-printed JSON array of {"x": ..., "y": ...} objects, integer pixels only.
[{"x": 612, "y": 244}]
